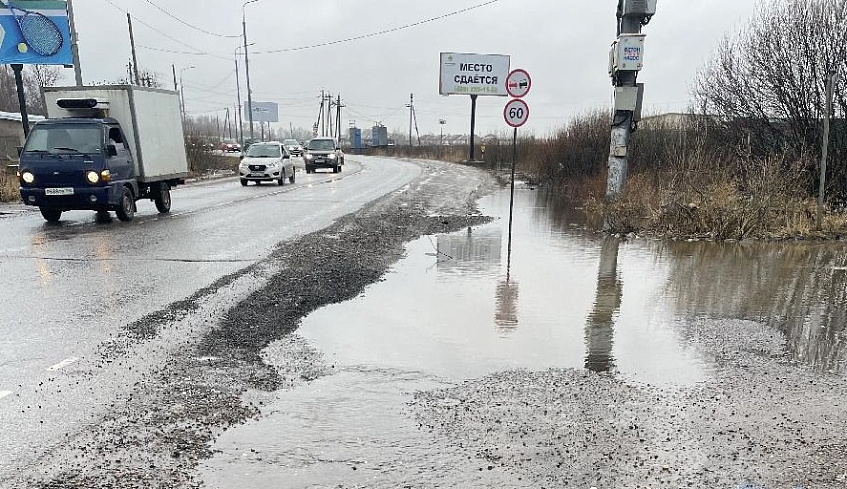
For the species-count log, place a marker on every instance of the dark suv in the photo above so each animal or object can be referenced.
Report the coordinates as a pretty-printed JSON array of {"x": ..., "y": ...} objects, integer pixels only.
[{"x": 323, "y": 153}]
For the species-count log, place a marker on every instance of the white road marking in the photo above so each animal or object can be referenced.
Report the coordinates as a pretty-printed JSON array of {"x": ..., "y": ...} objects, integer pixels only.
[
  {"x": 63, "y": 364},
  {"x": 5, "y": 394}
]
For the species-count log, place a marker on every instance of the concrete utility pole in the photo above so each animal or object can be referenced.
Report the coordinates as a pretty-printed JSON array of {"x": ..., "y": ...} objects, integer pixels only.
[
  {"x": 411, "y": 112},
  {"x": 247, "y": 66},
  {"x": 74, "y": 45},
  {"x": 627, "y": 60},
  {"x": 134, "y": 54}
]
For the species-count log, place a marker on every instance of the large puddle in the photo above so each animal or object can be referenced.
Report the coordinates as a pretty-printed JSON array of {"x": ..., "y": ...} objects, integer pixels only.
[
  {"x": 576, "y": 299},
  {"x": 453, "y": 310}
]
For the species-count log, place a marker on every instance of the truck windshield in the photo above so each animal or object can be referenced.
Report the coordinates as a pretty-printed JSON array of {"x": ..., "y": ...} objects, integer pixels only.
[
  {"x": 65, "y": 138},
  {"x": 263, "y": 151},
  {"x": 322, "y": 144},
  {"x": 291, "y": 142}
]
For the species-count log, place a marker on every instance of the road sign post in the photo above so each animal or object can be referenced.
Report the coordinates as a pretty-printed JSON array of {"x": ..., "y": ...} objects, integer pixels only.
[{"x": 516, "y": 113}]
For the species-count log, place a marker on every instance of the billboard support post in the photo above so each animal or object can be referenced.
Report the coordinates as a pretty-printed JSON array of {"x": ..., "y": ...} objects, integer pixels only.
[
  {"x": 473, "y": 128},
  {"x": 74, "y": 44},
  {"x": 19, "y": 83}
]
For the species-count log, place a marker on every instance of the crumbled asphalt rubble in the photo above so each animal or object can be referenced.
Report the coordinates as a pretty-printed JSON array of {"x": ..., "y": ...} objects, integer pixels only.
[
  {"x": 155, "y": 438},
  {"x": 759, "y": 422}
]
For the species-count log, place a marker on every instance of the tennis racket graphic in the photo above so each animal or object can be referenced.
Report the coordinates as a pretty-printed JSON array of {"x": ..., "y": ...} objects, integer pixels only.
[{"x": 39, "y": 32}]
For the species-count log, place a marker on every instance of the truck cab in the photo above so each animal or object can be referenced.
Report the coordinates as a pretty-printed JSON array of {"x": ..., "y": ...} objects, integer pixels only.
[{"x": 78, "y": 163}]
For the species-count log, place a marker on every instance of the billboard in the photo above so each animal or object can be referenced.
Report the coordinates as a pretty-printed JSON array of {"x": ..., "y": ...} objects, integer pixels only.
[
  {"x": 35, "y": 32},
  {"x": 263, "y": 112},
  {"x": 474, "y": 74}
]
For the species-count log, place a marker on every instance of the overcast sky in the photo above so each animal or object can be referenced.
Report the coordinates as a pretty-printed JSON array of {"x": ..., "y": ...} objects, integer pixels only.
[{"x": 564, "y": 44}]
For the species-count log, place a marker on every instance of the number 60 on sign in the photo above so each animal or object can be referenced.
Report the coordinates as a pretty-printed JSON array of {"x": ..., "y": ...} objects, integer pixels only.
[{"x": 516, "y": 113}]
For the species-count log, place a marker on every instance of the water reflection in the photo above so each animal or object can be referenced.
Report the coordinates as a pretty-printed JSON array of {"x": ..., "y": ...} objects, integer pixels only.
[
  {"x": 799, "y": 289},
  {"x": 600, "y": 327},
  {"x": 476, "y": 251},
  {"x": 506, "y": 311}
]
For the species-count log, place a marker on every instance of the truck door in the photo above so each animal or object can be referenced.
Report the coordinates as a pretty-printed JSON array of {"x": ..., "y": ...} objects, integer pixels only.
[{"x": 120, "y": 161}]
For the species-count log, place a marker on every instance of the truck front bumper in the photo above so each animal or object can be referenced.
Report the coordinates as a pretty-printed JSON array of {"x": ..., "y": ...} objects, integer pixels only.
[{"x": 81, "y": 198}]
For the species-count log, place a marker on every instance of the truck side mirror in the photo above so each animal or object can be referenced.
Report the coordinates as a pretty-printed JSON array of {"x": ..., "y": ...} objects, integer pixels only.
[
  {"x": 111, "y": 150},
  {"x": 241, "y": 157},
  {"x": 20, "y": 151}
]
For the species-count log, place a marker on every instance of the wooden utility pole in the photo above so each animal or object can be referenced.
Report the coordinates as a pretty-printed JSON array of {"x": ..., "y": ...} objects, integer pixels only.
[{"x": 830, "y": 82}]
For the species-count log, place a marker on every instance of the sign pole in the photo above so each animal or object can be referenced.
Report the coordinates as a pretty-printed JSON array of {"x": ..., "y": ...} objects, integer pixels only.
[
  {"x": 19, "y": 83},
  {"x": 473, "y": 127},
  {"x": 512, "y": 202}
]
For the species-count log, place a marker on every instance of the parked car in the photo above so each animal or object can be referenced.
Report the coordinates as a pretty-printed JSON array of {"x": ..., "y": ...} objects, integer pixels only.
[
  {"x": 323, "y": 153},
  {"x": 266, "y": 162},
  {"x": 293, "y": 146}
]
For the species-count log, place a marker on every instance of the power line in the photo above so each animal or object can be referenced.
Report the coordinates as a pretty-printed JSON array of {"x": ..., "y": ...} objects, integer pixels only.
[
  {"x": 199, "y": 29},
  {"x": 198, "y": 52},
  {"x": 380, "y": 33},
  {"x": 163, "y": 34}
]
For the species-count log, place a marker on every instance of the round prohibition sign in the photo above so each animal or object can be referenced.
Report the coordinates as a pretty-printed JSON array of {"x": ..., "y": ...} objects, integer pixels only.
[
  {"x": 516, "y": 113},
  {"x": 518, "y": 83}
]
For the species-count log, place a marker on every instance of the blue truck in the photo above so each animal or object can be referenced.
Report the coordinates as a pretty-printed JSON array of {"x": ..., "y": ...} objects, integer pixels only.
[{"x": 102, "y": 149}]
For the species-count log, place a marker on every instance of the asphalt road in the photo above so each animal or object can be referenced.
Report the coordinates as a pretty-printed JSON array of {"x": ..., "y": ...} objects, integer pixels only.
[{"x": 70, "y": 289}]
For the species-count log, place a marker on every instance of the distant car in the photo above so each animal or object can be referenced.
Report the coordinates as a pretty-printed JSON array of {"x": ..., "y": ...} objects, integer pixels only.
[
  {"x": 323, "y": 153},
  {"x": 230, "y": 147},
  {"x": 266, "y": 162},
  {"x": 293, "y": 146}
]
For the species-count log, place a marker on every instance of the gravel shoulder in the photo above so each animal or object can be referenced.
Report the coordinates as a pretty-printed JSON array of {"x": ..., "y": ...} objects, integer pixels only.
[
  {"x": 155, "y": 437},
  {"x": 759, "y": 422}
]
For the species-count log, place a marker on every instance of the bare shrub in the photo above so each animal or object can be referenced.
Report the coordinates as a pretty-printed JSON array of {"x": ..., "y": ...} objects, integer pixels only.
[{"x": 9, "y": 187}]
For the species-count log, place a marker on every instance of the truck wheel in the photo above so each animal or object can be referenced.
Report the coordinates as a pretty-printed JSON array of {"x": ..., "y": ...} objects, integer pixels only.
[
  {"x": 293, "y": 176},
  {"x": 336, "y": 169},
  {"x": 281, "y": 180},
  {"x": 243, "y": 182},
  {"x": 163, "y": 198},
  {"x": 126, "y": 211},
  {"x": 50, "y": 215},
  {"x": 309, "y": 169}
]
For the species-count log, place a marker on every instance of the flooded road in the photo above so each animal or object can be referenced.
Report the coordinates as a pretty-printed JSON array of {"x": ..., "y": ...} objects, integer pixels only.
[{"x": 456, "y": 371}]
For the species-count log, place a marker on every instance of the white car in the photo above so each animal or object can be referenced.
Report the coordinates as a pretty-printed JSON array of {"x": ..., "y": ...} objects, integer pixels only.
[{"x": 266, "y": 162}]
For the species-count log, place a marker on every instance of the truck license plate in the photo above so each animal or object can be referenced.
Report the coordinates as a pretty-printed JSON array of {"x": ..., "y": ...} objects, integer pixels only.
[
  {"x": 59, "y": 191},
  {"x": 258, "y": 175}
]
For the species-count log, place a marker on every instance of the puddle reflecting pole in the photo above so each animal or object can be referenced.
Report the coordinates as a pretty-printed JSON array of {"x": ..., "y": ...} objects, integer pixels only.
[
  {"x": 512, "y": 203},
  {"x": 600, "y": 327}
]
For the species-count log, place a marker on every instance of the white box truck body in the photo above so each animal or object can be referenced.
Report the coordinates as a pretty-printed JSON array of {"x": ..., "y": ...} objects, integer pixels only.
[{"x": 151, "y": 121}]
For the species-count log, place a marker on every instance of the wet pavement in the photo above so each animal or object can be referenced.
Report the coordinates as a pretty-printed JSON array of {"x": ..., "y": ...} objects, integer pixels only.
[
  {"x": 590, "y": 361},
  {"x": 73, "y": 291}
]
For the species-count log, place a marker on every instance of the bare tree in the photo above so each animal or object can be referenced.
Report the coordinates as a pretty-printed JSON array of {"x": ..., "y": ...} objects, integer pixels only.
[{"x": 766, "y": 86}]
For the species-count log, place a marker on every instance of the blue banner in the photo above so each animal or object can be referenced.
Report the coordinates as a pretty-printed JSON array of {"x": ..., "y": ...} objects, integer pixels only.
[{"x": 35, "y": 32}]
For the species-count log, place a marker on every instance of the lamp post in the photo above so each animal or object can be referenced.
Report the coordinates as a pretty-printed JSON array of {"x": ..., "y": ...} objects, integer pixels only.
[
  {"x": 247, "y": 65},
  {"x": 182, "y": 93},
  {"x": 238, "y": 91}
]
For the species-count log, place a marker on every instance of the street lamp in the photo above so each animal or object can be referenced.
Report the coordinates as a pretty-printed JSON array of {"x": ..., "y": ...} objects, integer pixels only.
[
  {"x": 182, "y": 93},
  {"x": 247, "y": 65},
  {"x": 238, "y": 91}
]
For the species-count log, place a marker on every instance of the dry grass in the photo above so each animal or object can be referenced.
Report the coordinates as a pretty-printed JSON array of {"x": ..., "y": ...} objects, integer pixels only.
[
  {"x": 9, "y": 187},
  {"x": 768, "y": 204}
]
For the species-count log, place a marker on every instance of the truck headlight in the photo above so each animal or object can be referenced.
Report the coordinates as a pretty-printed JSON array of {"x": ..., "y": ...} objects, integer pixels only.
[
  {"x": 92, "y": 177},
  {"x": 308, "y": 156},
  {"x": 106, "y": 175},
  {"x": 333, "y": 156},
  {"x": 27, "y": 177}
]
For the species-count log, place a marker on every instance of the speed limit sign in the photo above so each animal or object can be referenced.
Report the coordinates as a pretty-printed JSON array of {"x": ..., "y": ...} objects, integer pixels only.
[{"x": 516, "y": 113}]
